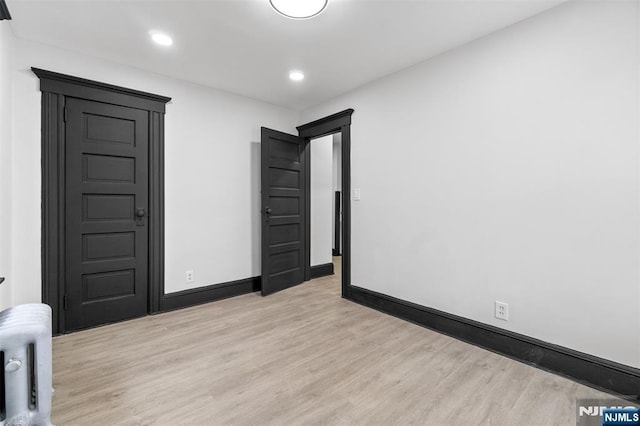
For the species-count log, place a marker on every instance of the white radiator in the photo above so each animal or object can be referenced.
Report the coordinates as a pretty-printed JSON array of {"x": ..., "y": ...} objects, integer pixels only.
[{"x": 25, "y": 354}]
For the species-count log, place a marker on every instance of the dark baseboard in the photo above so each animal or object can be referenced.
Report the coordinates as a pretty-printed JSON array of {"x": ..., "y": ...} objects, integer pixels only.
[
  {"x": 335, "y": 252},
  {"x": 321, "y": 270},
  {"x": 618, "y": 379},
  {"x": 197, "y": 296}
]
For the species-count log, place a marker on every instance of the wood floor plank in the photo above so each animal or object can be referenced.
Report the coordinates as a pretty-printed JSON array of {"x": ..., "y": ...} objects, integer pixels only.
[{"x": 301, "y": 356}]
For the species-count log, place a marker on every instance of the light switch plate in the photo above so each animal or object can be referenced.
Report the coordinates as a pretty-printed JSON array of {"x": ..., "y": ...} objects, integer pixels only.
[{"x": 356, "y": 194}]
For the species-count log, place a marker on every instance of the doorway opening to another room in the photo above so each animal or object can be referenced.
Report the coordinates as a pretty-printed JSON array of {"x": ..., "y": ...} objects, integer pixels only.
[
  {"x": 326, "y": 205},
  {"x": 287, "y": 203},
  {"x": 336, "y": 124}
]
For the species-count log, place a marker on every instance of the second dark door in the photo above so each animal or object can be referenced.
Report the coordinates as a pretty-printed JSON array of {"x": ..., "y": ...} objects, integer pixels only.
[
  {"x": 283, "y": 232},
  {"x": 106, "y": 202}
]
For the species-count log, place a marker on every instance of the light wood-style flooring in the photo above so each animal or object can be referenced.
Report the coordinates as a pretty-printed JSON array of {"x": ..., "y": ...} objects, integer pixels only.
[{"x": 301, "y": 356}]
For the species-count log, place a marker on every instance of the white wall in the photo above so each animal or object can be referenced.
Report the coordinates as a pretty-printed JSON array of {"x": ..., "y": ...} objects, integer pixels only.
[
  {"x": 321, "y": 195},
  {"x": 212, "y": 170},
  {"x": 508, "y": 169},
  {"x": 6, "y": 57},
  {"x": 337, "y": 162}
]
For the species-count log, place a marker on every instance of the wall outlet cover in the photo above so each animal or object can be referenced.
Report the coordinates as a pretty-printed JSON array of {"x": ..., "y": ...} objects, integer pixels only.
[{"x": 502, "y": 311}]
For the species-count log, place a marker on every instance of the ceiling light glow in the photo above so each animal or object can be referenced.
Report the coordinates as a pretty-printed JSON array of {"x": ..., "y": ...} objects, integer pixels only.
[
  {"x": 161, "y": 38},
  {"x": 296, "y": 75},
  {"x": 299, "y": 9}
]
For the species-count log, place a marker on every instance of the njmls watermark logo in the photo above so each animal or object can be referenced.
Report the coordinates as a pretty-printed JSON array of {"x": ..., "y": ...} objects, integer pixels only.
[{"x": 607, "y": 412}]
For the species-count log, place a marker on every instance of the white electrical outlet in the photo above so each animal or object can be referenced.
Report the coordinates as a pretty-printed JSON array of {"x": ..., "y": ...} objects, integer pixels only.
[
  {"x": 189, "y": 275},
  {"x": 356, "y": 194},
  {"x": 502, "y": 311}
]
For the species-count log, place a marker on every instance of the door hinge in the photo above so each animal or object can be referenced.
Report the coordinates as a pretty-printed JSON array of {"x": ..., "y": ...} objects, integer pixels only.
[
  {"x": 64, "y": 302},
  {"x": 65, "y": 113}
]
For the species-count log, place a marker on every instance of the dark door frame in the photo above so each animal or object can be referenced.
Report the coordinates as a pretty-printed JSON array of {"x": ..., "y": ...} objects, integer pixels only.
[
  {"x": 55, "y": 89},
  {"x": 336, "y": 123},
  {"x": 337, "y": 223},
  {"x": 4, "y": 11}
]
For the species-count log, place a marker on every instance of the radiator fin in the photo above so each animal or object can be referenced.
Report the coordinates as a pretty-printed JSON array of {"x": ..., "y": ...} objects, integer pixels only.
[
  {"x": 31, "y": 355},
  {"x": 3, "y": 401}
]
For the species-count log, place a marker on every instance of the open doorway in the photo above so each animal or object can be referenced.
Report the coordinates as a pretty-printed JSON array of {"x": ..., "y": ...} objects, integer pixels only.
[
  {"x": 286, "y": 206},
  {"x": 326, "y": 205},
  {"x": 339, "y": 123}
]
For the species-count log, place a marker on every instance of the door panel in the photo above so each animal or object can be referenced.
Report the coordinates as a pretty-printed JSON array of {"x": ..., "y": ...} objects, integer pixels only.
[
  {"x": 110, "y": 129},
  {"x": 108, "y": 246},
  {"x": 106, "y": 186},
  {"x": 283, "y": 248},
  {"x": 108, "y": 284},
  {"x": 107, "y": 207},
  {"x": 107, "y": 168}
]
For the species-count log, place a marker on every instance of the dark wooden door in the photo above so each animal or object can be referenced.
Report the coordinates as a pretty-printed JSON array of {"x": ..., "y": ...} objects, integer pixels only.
[
  {"x": 106, "y": 201},
  {"x": 283, "y": 236}
]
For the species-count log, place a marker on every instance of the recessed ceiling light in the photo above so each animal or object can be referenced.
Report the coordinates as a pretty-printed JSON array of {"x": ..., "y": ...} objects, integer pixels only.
[
  {"x": 296, "y": 75},
  {"x": 161, "y": 38},
  {"x": 299, "y": 9}
]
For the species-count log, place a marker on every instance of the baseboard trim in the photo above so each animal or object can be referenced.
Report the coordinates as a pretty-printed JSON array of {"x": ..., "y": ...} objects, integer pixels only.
[
  {"x": 618, "y": 379},
  {"x": 200, "y": 295},
  {"x": 321, "y": 270}
]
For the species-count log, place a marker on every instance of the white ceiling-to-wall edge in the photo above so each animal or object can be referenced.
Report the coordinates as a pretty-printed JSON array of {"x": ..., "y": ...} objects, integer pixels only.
[{"x": 244, "y": 47}]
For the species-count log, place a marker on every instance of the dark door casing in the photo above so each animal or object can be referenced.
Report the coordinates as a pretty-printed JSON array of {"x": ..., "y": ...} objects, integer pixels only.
[
  {"x": 283, "y": 218},
  {"x": 338, "y": 122},
  {"x": 107, "y": 185},
  {"x": 102, "y": 201}
]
